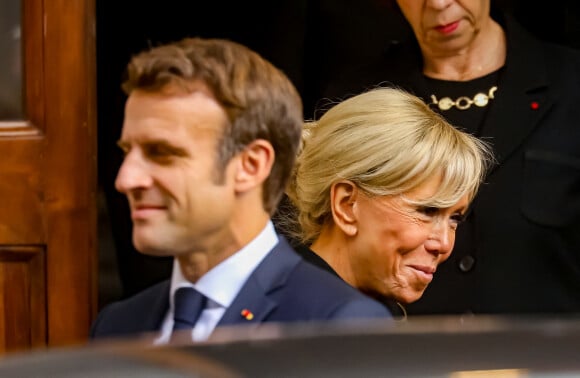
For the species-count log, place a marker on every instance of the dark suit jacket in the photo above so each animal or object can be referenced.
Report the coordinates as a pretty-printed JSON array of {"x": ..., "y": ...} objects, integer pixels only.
[
  {"x": 519, "y": 251},
  {"x": 283, "y": 288}
]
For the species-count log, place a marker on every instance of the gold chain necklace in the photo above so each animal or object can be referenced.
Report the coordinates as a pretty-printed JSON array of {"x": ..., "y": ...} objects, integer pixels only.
[{"x": 464, "y": 102}]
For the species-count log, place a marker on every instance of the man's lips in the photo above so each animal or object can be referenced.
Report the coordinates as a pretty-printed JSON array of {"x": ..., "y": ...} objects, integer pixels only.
[
  {"x": 447, "y": 28},
  {"x": 142, "y": 211}
]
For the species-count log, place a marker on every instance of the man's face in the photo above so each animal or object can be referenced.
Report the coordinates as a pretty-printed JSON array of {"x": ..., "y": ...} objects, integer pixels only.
[
  {"x": 445, "y": 27},
  {"x": 179, "y": 203}
]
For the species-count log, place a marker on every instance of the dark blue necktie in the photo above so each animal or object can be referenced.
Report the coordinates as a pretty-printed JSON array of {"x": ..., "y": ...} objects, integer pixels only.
[{"x": 188, "y": 305}]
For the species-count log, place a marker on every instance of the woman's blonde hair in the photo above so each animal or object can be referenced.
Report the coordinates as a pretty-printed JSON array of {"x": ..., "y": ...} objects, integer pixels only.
[{"x": 387, "y": 142}]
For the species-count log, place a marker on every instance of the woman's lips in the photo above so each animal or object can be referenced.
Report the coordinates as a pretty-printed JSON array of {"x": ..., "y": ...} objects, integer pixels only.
[
  {"x": 424, "y": 272},
  {"x": 448, "y": 28}
]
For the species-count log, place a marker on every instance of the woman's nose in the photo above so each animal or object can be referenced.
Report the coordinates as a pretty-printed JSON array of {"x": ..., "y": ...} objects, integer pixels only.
[
  {"x": 441, "y": 239},
  {"x": 438, "y": 4},
  {"x": 133, "y": 174}
]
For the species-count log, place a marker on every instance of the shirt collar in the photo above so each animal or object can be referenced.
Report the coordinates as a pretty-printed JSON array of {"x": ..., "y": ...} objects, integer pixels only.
[{"x": 224, "y": 281}]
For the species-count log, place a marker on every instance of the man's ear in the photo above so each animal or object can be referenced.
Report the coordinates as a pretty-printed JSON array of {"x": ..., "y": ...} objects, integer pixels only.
[
  {"x": 343, "y": 200},
  {"x": 254, "y": 165}
]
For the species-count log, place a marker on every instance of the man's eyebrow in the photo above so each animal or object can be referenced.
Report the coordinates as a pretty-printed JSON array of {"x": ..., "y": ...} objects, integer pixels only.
[{"x": 123, "y": 144}]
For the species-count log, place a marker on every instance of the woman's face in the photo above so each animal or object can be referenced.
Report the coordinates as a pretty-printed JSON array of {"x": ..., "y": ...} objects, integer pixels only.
[
  {"x": 444, "y": 27},
  {"x": 398, "y": 246}
]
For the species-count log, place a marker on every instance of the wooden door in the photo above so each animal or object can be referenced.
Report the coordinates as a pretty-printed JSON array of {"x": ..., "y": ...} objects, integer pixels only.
[{"x": 48, "y": 182}]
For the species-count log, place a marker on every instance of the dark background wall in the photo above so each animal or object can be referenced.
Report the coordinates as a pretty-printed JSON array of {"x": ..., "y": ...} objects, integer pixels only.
[{"x": 310, "y": 40}]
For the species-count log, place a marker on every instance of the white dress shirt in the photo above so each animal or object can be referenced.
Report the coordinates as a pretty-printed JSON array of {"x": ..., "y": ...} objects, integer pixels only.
[{"x": 220, "y": 285}]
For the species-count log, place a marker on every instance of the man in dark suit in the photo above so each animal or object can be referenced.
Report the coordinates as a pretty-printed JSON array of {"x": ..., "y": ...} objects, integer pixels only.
[{"x": 210, "y": 136}]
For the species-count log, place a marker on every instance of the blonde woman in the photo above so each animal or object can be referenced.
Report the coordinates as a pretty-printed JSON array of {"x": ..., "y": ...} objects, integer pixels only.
[{"x": 380, "y": 186}]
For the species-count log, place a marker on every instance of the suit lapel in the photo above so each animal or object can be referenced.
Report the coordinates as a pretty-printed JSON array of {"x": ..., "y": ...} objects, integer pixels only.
[
  {"x": 251, "y": 306},
  {"x": 156, "y": 309},
  {"x": 253, "y": 303},
  {"x": 524, "y": 84}
]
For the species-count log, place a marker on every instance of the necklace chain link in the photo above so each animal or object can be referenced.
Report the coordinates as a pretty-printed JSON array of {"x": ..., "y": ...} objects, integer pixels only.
[{"x": 462, "y": 103}]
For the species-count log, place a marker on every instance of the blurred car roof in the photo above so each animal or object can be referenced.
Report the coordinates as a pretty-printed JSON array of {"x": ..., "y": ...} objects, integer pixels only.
[{"x": 456, "y": 347}]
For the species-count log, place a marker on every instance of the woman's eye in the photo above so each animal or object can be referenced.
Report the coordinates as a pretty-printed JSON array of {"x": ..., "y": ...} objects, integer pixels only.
[
  {"x": 457, "y": 219},
  {"x": 429, "y": 210}
]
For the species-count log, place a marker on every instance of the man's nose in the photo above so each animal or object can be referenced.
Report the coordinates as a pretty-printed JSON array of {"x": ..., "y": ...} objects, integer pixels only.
[{"x": 133, "y": 174}]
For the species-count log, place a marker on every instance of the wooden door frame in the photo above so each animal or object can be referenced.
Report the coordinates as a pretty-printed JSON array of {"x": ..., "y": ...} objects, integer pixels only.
[
  {"x": 59, "y": 72},
  {"x": 71, "y": 201}
]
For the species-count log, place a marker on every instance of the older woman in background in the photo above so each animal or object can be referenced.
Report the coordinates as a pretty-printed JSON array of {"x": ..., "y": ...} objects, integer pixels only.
[{"x": 380, "y": 187}]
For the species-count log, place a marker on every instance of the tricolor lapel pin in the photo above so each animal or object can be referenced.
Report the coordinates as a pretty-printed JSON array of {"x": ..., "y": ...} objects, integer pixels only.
[{"x": 247, "y": 314}]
